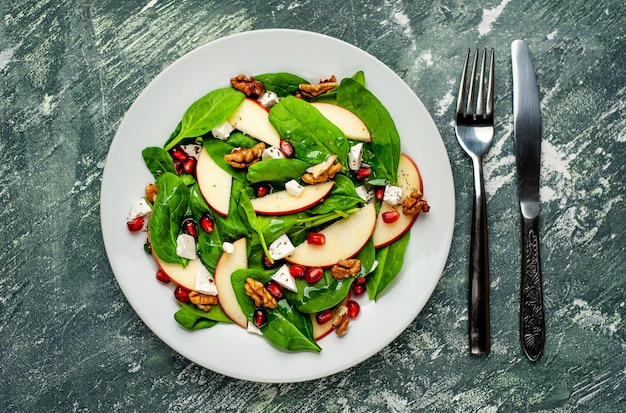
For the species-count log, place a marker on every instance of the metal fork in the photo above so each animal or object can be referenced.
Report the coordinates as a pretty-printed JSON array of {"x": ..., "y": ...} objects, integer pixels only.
[{"x": 474, "y": 130}]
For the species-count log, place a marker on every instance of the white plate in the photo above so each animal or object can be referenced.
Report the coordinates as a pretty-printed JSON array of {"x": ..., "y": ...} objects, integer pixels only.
[{"x": 228, "y": 349}]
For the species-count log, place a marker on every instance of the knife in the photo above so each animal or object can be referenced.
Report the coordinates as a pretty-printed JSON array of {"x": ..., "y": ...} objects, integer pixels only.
[{"x": 527, "y": 137}]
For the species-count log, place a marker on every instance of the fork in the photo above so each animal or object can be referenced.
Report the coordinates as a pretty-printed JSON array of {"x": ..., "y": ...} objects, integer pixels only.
[{"x": 474, "y": 131}]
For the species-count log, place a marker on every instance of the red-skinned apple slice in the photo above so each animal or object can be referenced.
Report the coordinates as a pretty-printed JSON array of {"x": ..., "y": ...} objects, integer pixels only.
[
  {"x": 183, "y": 276},
  {"x": 214, "y": 183},
  {"x": 281, "y": 202},
  {"x": 253, "y": 119},
  {"x": 226, "y": 265},
  {"x": 322, "y": 330},
  {"x": 350, "y": 124},
  {"x": 344, "y": 239},
  {"x": 409, "y": 179}
]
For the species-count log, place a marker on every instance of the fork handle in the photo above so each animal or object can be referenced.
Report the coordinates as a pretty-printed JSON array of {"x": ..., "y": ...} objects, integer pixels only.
[
  {"x": 532, "y": 325},
  {"x": 478, "y": 314}
]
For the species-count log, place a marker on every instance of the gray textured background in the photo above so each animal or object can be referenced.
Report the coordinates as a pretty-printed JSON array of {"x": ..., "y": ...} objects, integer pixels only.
[{"x": 69, "y": 341}]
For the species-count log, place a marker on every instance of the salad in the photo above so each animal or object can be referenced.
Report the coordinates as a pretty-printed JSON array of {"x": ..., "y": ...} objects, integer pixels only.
[{"x": 277, "y": 204}]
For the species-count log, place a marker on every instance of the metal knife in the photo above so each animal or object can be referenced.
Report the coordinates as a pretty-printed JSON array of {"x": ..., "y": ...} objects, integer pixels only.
[{"x": 527, "y": 136}]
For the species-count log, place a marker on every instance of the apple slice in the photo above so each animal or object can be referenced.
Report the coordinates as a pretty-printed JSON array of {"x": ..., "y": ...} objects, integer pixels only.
[
  {"x": 281, "y": 202},
  {"x": 409, "y": 179},
  {"x": 226, "y": 265},
  {"x": 350, "y": 124},
  {"x": 322, "y": 330},
  {"x": 183, "y": 276},
  {"x": 253, "y": 119},
  {"x": 344, "y": 239},
  {"x": 214, "y": 183}
]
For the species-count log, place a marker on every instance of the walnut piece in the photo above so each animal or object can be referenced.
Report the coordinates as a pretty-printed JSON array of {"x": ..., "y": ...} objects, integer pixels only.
[
  {"x": 322, "y": 172},
  {"x": 151, "y": 192},
  {"x": 259, "y": 294},
  {"x": 414, "y": 204},
  {"x": 248, "y": 85},
  {"x": 341, "y": 320},
  {"x": 345, "y": 268},
  {"x": 242, "y": 157},
  {"x": 203, "y": 301},
  {"x": 323, "y": 86}
]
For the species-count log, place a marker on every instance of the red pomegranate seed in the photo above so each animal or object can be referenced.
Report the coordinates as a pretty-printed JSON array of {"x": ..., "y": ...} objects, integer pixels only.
[
  {"x": 357, "y": 289},
  {"x": 259, "y": 316},
  {"x": 261, "y": 190},
  {"x": 178, "y": 153},
  {"x": 379, "y": 194},
  {"x": 162, "y": 276},
  {"x": 315, "y": 238},
  {"x": 360, "y": 280},
  {"x": 189, "y": 165},
  {"x": 206, "y": 223},
  {"x": 390, "y": 217},
  {"x": 353, "y": 308},
  {"x": 190, "y": 227},
  {"x": 363, "y": 172},
  {"x": 181, "y": 294},
  {"x": 179, "y": 166},
  {"x": 324, "y": 316},
  {"x": 314, "y": 274},
  {"x": 297, "y": 271},
  {"x": 268, "y": 264},
  {"x": 275, "y": 289},
  {"x": 135, "y": 224},
  {"x": 287, "y": 149},
  {"x": 298, "y": 95}
]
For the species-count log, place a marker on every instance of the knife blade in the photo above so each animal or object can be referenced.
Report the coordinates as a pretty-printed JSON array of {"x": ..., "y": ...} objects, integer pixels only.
[{"x": 527, "y": 137}]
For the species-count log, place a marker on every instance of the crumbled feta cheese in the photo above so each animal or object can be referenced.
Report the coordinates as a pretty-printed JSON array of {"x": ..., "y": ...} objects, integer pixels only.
[
  {"x": 205, "y": 284},
  {"x": 393, "y": 194},
  {"x": 251, "y": 328},
  {"x": 228, "y": 247},
  {"x": 192, "y": 150},
  {"x": 223, "y": 130},
  {"x": 355, "y": 156},
  {"x": 186, "y": 246},
  {"x": 364, "y": 193},
  {"x": 268, "y": 99},
  {"x": 317, "y": 170},
  {"x": 294, "y": 188},
  {"x": 272, "y": 152},
  {"x": 139, "y": 209},
  {"x": 281, "y": 248},
  {"x": 284, "y": 278}
]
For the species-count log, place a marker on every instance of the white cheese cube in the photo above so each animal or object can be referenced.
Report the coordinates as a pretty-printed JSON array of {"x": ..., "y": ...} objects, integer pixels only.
[
  {"x": 251, "y": 328},
  {"x": 272, "y": 153},
  {"x": 223, "y": 130},
  {"x": 268, "y": 99},
  {"x": 284, "y": 278},
  {"x": 139, "y": 209},
  {"x": 205, "y": 284},
  {"x": 281, "y": 248},
  {"x": 355, "y": 156},
  {"x": 364, "y": 193},
  {"x": 192, "y": 150},
  {"x": 186, "y": 246},
  {"x": 294, "y": 188},
  {"x": 393, "y": 194},
  {"x": 228, "y": 247}
]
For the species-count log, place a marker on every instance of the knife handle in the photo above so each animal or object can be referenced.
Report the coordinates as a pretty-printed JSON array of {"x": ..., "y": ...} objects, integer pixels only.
[
  {"x": 478, "y": 314},
  {"x": 532, "y": 325}
]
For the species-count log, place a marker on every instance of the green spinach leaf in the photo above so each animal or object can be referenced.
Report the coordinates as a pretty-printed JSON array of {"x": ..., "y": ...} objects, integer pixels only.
[
  {"x": 283, "y": 84},
  {"x": 276, "y": 170},
  {"x": 342, "y": 197},
  {"x": 158, "y": 161},
  {"x": 324, "y": 294},
  {"x": 209, "y": 244},
  {"x": 390, "y": 260},
  {"x": 289, "y": 329}
]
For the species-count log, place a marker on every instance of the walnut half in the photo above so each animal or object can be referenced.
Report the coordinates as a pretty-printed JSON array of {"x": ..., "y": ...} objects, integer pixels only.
[
  {"x": 248, "y": 85},
  {"x": 341, "y": 320},
  {"x": 242, "y": 158},
  {"x": 259, "y": 294},
  {"x": 203, "y": 301},
  {"x": 414, "y": 204},
  {"x": 345, "y": 268},
  {"x": 323, "y": 86}
]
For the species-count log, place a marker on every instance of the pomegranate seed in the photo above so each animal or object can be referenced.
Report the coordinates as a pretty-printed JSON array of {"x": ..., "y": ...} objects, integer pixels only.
[
  {"x": 298, "y": 95},
  {"x": 287, "y": 149},
  {"x": 181, "y": 294},
  {"x": 363, "y": 172},
  {"x": 162, "y": 276},
  {"x": 259, "y": 316},
  {"x": 189, "y": 165},
  {"x": 314, "y": 274},
  {"x": 135, "y": 224},
  {"x": 324, "y": 316},
  {"x": 178, "y": 153},
  {"x": 275, "y": 289},
  {"x": 297, "y": 271},
  {"x": 206, "y": 223},
  {"x": 315, "y": 238},
  {"x": 268, "y": 264},
  {"x": 260, "y": 190},
  {"x": 353, "y": 308},
  {"x": 179, "y": 166},
  {"x": 379, "y": 194},
  {"x": 360, "y": 280},
  {"x": 190, "y": 227},
  {"x": 357, "y": 289},
  {"x": 390, "y": 217}
]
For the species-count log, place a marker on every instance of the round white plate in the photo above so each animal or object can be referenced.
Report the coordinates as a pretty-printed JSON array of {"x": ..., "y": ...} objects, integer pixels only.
[{"x": 228, "y": 349}]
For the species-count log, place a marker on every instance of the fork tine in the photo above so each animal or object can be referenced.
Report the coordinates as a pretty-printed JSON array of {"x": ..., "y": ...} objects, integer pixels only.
[
  {"x": 461, "y": 96},
  {"x": 470, "y": 97},
  {"x": 489, "y": 113},
  {"x": 480, "y": 103}
]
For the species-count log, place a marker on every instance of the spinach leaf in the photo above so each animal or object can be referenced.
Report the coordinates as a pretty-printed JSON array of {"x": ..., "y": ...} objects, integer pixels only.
[
  {"x": 191, "y": 320},
  {"x": 169, "y": 208},
  {"x": 247, "y": 210},
  {"x": 367, "y": 256},
  {"x": 206, "y": 113},
  {"x": 238, "y": 280},
  {"x": 274, "y": 226},
  {"x": 283, "y": 84},
  {"x": 385, "y": 138},
  {"x": 390, "y": 260},
  {"x": 289, "y": 329},
  {"x": 276, "y": 170},
  {"x": 312, "y": 136},
  {"x": 343, "y": 196},
  {"x": 232, "y": 227},
  {"x": 324, "y": 294},
  {"x": 217, "y": 149},
  {"x": 209, "y": 244},
  {"x": 158, "y": 161}
]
